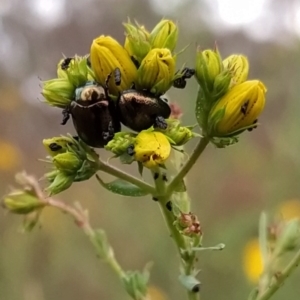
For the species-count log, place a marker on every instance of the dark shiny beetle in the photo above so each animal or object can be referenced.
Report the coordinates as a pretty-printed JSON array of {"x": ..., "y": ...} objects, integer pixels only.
[
  {"x": 139, "y": 110},
  {"x": 94, "y": 115}
]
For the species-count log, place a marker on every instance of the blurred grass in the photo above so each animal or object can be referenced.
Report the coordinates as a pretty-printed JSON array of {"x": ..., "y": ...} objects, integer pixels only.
[{"x": 229, "y": 187}]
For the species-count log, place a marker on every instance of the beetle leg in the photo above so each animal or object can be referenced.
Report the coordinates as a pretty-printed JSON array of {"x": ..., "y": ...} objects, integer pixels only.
[
  {"x": 130, "y": 150},
  {"x": 117, "y": 75},
  {"x": 109, "y": 134},
  {"x": 160, "y": 122},
  {"x": 180, "y": 82},
  {"x": 66, "y": 116}
]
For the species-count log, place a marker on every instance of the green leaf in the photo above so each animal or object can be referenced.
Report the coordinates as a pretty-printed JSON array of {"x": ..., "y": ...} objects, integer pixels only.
[
  {"x": 125, "y": 158},
  {"x": 123, "y": 188}
]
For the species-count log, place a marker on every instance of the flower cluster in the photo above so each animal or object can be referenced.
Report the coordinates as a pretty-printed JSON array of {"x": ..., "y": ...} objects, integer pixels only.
[
  {"x": 228, "y": 103},
  {"x": 124, "y": 84}
]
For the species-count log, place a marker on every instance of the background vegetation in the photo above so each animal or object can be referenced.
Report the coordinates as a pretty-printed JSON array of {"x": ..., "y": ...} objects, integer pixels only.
[{"x": 260, "y": 173}]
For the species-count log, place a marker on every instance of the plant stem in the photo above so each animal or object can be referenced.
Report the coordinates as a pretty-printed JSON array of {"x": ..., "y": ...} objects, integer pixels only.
[
  {"x": 277, "y": 282},
  {"x": 188, "y": 165},
  {"x": 109, "y": 169},
  {"x": 180, "y": 242},
  {"x": 82, "y": 221}
]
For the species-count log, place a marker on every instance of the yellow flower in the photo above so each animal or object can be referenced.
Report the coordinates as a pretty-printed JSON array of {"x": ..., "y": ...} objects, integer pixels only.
[
  {"x": 238, "y": 109},
  {"x": 154, "y": 293},
  {"x": 238, "y": 67},
  {"x": 164, "y": 35},
  {"x": 151, "y": 148},
  {"x": 252, "y": 260},
  {"x": 290, "y": 209},
  {"x": 10, "y": 157},
  {"x": 137, "y": 41},
  {"x": 157, "y": 71},
  {"x": 208, "y": 66},
  {"x": 107, "y": 55}
]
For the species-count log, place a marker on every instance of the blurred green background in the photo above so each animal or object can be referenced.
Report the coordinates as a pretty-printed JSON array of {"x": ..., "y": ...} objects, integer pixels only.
[{"x": 229, "y": 187}]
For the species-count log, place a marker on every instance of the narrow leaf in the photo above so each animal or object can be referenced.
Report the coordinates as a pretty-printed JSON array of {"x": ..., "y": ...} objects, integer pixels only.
[{"x": 122, "y": 187}]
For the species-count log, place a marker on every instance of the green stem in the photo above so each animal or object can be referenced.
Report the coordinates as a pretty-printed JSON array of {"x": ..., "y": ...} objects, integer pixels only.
[
  {"x": 181, "y": 245},
  {"x": 278, "y": 282},
  {"x": 109, "y": 169},
  {"x": 188, "y": 165}
]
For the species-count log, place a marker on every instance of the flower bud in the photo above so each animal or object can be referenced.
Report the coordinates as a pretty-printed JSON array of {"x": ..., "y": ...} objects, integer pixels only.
[
  {"x": 208, "y": 66},
  {"x": 22, "y": 202},
  {"x": 151, "y": 148},
  {"x": 107, "y": 55},
  {"x": 178, "y": 134},
  {"x": 188, "y": 224},
  {"x": 60, "y": 183},
  {"x": 58, "y": 92},
  {"x": 289, "y": 237},
  {"x": 157, "y": 71},
  {"x": 57, "y": 145},
  {"x": 237, "y": 110},
  {"x": 120, "y": 143},
  {"x": 74, "y": 69},
  {"x": 67, "y": 162},
  {"x": 164, "y": 35},
  {"x": 137, "y": 41},
  {"x": 238, "y": 67}
]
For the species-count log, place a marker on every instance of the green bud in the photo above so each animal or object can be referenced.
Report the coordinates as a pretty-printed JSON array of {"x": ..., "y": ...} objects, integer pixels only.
[
  {"x": 164, "y": 35},
  {"x": 60, "y": 183},
  {"x": 156, "y": 72},
  {"x": 208, "y": 66},
  {"x": 289, "y": 238},
  {"x": 221, "y": 84},
  {"x": 22, "y": 202},
  {"x": 57, "y": 145},
  {"x": 120, "y": 143},
  {"x": 137, "y": 41},
  {"x": 76, "y": 71},
  {"x": 179, "y": 135},
  {"x": 58, "y": 92},
  {"x": 67, "y": 162}
]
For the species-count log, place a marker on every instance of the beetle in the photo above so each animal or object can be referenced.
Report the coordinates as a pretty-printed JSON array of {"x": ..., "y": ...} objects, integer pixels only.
[
  {"x": 139, "y": 110},
  {"x": 94, "y": 115}
]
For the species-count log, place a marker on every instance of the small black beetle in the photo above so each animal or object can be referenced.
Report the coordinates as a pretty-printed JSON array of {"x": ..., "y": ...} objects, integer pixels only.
[
  {"x": 139, "y": 110},
  {"x": 94, "y": 115}
]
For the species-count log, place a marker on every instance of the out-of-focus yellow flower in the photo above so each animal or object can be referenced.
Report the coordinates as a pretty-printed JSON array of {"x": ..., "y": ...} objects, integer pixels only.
[
  {"x": 164, "y": 35},
  {"x": 208, "y": 66},
  {"x": 252, "y": 260},
  {"x": 238, "y": 109},
  {"x": 154, "y": 293},
  {"x": 290, "y": 209},
  {"x": 238, "y": 67},
  {"x": 151, "y": 148},
  {"x": 10, "y": 157},
  {"x": 157, "y": 71},
  {"x": 107, "y": 55},
  {"x": 137, "y": 41}
]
